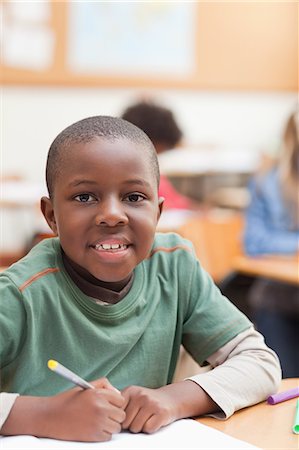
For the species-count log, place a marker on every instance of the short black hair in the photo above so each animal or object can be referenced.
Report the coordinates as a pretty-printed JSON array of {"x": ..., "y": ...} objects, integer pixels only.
[
  {"x": 156, "y": 121},
  {"x": 88, "y": 129}
]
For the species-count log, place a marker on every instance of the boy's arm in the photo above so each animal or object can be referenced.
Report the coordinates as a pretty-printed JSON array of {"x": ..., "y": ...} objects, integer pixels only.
[
  {"x": 77, "y": 414},
  {"x": 246, "y": 372}
]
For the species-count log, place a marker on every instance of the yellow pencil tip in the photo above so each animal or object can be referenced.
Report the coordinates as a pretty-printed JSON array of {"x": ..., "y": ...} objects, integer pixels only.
[{"x": 52, "y": 364}]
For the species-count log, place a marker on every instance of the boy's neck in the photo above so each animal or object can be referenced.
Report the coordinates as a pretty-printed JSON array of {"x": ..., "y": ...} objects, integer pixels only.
[{"x": 108, "y": 292}]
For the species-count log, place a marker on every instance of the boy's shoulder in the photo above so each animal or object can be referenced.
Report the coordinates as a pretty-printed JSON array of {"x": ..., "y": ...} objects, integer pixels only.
[
  {"x": 172, "y": 257},
  {"x": 42, "y": 259},
  {"x": 170, "y": 239},
  {"x": 171, "y": 242}
]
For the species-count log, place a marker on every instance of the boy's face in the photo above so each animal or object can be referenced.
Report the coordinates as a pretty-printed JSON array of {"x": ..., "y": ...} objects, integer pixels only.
[{"x": 105, "y": 207}]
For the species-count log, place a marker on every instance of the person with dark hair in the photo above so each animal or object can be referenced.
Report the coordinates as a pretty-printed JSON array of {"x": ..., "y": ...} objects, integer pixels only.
[
  {"x": 111, "y": 299},
  {"x": 161, "y": 127}
]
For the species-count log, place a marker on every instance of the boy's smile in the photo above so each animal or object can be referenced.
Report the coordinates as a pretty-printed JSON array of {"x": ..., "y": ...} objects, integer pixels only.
[{"x": 105, "y": 207}]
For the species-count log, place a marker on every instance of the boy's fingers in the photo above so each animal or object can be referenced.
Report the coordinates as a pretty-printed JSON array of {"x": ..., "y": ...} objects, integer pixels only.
[
  {"x": 108, "y": 391},
  {"x": 126, "y": 397},
  {"x": 104, "y": 383},
  {"x": 114, "y": 398},
  {"x": 153, "y": 424},
  {"x": 131, "y": 412},
  {"x": 117, "y": 414}
]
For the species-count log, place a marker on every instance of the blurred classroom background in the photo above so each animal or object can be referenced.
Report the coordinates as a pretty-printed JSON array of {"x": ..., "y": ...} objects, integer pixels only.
[{"x": 227, "y": 70}]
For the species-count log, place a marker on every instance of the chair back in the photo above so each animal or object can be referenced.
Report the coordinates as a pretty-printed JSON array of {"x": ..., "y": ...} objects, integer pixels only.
[{"x": 217, "y": 239}]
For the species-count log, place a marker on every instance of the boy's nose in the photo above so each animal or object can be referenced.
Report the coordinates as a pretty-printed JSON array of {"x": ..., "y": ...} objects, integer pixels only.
[{"x": 111, "y": 212}]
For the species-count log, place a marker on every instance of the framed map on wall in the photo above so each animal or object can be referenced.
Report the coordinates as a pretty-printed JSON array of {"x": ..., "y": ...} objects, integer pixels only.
[{"x": 132, "y": 38}]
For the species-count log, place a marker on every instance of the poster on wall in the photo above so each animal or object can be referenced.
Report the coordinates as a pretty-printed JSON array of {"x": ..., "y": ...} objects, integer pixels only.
[
  {"x": 27, "y": 40},
  {"x": 132, "y": 38}
]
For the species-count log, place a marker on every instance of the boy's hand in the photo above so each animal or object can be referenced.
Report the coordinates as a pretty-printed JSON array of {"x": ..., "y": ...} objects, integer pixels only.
[
  {"x": 90, "y": 414},
  {"x": 148, "y": 410},
  {"x": 75, "y": 415}
]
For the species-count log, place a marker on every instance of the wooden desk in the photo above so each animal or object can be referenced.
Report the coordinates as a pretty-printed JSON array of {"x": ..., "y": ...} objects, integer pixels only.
[
  {"x": 280, "y": 268},
  {"x": 263, "y": 425}
]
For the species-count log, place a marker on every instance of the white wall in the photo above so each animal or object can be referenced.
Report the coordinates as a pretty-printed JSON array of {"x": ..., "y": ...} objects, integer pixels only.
[{"x": 33, "y": 116}]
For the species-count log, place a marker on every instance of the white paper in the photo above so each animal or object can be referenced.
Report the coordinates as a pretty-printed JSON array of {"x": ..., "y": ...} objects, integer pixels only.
[{"x": 184, "y": 434}]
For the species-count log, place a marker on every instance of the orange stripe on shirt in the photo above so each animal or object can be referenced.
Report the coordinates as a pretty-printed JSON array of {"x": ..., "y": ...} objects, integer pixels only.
[
  {"x": 37, "y": 276},
  {"x": 170, "y": 250}
]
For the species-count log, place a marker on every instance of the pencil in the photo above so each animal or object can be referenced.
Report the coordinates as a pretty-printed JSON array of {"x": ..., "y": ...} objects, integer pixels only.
[{"x": 68, "y": 374}]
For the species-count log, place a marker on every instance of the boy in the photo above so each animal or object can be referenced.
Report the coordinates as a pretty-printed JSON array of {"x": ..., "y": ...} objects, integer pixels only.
[{"x": 110, "y": 300}]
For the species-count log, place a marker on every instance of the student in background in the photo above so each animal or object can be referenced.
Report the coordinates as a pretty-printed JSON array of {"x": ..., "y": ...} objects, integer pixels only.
[
  {"x": 272, "y": 227},
  {"x": 110, "y": 299},
  {"x": 161, "y": 127}
]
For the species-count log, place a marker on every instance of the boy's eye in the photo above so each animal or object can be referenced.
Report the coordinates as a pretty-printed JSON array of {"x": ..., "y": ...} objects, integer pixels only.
[
  {"x": 84, "y": 198},
  {"x": 135, "y": 197}
]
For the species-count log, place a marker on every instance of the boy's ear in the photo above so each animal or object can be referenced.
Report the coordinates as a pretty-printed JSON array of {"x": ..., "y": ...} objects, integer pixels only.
[
  {"x": 47, "y": 209},
  {"x": 160, "y": 204}
]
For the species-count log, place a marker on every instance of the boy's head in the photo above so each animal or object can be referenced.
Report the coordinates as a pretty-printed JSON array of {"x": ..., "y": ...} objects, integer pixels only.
[
  {"x": 86, "y": 130},
  {"x": 102, "y": 176},
  {"x": 157, "y": 122}
]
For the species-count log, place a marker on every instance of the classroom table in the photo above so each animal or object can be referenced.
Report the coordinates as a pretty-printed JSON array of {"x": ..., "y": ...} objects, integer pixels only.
[
  {"x": 276, "y": 267},
  {"x": 21, "y": 217},
  {"x": 199, "y": 173},
  {"x": 263, "y": 425},
  {"x": 200, "y": 161}
]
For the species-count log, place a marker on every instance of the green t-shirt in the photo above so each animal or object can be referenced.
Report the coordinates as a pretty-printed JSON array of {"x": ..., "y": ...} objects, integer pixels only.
[{"x": 44, "y": 315}]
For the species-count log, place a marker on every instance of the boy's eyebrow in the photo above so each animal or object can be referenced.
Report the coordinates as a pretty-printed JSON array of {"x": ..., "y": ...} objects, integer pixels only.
[
  {"x": 78, "y": 182},
  {"x": 138, "y": 181}
]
